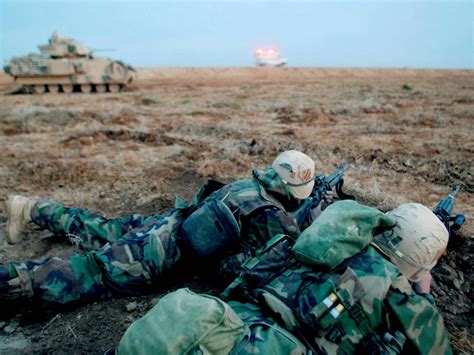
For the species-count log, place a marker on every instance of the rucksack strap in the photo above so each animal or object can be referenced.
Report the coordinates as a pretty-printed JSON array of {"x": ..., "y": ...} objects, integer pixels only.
[{"x": 357, "y": 313}]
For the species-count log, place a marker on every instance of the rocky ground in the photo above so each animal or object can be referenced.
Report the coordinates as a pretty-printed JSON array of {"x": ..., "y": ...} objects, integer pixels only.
[{"x": 405, "y": 135}]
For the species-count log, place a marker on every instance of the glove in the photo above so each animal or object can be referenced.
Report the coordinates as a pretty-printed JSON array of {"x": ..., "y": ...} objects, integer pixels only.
[{"x": 328, "y": 198}]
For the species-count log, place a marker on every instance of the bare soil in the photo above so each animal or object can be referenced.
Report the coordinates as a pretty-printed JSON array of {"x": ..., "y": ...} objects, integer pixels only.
[{"x": 406, "y": 135}]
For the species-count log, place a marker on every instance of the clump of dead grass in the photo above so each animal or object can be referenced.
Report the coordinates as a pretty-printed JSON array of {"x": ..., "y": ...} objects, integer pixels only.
[
  {"x": 227, "y": 104},
  {"x": 463, "y": 341},
  {"x": 215, "y": 168},
  {"x": 372, "y": 194},
  {"x": 150, "y": 101},
  {"x": 39, "y": 119}
]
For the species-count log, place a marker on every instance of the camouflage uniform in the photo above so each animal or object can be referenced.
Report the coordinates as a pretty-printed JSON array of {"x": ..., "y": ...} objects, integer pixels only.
[
  {"x": 356, "y": 307},
  {"x": 128, "y": 255},
  {"x": 265, "y": 336},
  {"x": 339, "y": 297}
]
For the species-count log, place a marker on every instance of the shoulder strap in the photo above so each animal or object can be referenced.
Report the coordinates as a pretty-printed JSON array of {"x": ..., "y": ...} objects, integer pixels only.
[{"x": 206, "y": 189}]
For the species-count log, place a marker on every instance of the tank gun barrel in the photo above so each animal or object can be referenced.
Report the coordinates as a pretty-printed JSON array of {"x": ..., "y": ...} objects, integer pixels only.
[{"x": 103, "y": 49}]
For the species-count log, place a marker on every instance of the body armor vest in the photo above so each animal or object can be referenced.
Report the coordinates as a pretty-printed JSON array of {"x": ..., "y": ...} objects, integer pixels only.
[
  {"x": 244, "y": 197},
  {"x": 213, "y": 225}
]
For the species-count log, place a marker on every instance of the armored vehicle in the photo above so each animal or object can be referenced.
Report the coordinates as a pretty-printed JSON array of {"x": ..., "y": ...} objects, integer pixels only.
[
  {"x": 269, "y": 57},
  {"x": 65, "y": 65}
]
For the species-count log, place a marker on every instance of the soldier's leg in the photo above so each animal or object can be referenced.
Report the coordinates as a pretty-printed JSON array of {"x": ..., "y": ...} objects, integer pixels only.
[
  {"x": 136, "y": 262},
  {"x": 130, "y": 265},
  {"x": 55, "y": 279},
  {"x": 92, "y": 230}
]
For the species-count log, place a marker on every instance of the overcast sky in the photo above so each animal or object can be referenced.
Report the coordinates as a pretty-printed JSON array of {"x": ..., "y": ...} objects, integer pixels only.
[{"x": 379, "y": 33}]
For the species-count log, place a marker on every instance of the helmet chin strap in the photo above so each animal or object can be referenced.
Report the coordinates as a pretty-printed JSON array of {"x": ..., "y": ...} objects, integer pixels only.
[{"x": 293, "y": 184}]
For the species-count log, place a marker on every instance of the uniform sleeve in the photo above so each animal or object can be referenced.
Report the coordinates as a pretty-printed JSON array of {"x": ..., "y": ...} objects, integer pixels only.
[
  {"x": 420, "y": 321},
  {"x": 261, "y": 226},
  {"x": 266, "y": 223}
]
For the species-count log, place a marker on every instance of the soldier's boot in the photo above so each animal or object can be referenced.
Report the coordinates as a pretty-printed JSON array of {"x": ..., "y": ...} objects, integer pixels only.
[
  {"x": 15, "y": 290},
  {"x": 19, "y": 214},
  {"x": 4, "y": 273}
]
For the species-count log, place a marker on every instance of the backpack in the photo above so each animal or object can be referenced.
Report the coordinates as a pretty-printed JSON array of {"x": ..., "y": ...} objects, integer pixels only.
[
  {"x": 184, "y": 322},
  {"x": 343, "y": 230},
  {"x": 211, "y": 228}
]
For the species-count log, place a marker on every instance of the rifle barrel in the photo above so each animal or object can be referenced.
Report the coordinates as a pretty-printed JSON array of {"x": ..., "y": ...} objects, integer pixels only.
[{"x": 454, "y": 191}]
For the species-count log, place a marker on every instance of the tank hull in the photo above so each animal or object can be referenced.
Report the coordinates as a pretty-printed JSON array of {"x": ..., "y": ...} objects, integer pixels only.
[{"x": 33, "y": 70}]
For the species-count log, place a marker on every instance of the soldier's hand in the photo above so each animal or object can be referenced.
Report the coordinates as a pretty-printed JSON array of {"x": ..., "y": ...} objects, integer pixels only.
[
  {"x": 327, "y": 199},
  {"x": 423, "y": 285}
]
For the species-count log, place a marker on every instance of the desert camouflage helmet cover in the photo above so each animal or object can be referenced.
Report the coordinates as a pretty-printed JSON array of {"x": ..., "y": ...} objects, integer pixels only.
[
  {"x": 296, "y": 170},
  {"x": 416, "y": 242}
]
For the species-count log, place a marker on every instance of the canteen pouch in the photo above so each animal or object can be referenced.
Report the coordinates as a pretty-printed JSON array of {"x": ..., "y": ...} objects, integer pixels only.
[{"x": 211, "y": 228}]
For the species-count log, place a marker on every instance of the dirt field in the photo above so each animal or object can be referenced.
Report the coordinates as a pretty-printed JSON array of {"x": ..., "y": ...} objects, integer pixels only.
[{"x": 406, "y": 135}]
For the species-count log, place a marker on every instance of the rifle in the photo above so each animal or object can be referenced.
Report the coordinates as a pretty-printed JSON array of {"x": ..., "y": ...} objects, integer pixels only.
[
  {"x": 322, "y": 184},
  {"x": 444, "y": 210}
]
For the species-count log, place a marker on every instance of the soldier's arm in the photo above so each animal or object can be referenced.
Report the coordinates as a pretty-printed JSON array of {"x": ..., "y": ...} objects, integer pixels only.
[
  {"x": 262, "y": 225},
  {"x": 419, "y": 320},
  {"x": 267, "y": 222}
]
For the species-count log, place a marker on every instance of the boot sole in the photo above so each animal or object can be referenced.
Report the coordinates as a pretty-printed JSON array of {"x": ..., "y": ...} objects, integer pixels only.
[{"x": 10, "y": 224}]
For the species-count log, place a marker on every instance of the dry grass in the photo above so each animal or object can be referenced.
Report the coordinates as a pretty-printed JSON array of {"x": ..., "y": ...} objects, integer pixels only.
[{"x": 134, "y": 151}]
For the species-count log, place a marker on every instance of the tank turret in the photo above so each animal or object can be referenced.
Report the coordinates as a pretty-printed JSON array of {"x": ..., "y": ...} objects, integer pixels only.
[
  {"x": 60, "y": 47},
  {"x": 65, "y": 65}
]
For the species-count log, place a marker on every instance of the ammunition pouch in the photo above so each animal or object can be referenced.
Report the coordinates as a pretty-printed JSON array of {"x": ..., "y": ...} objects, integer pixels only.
[{"x": 211, "y": 228}]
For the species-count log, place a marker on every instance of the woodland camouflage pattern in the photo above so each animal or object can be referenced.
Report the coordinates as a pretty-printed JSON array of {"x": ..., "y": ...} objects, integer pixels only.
[
  {"x": 266, "y": 336},
  {"x": 183, "y": 322},
  {"x": 129, "y": 254},
  {"x": 243, "y": 197},
  {"x": 129, "y": 264},
  {"x": 371, "y": 295},
  {"x": 359, "y": 304}
]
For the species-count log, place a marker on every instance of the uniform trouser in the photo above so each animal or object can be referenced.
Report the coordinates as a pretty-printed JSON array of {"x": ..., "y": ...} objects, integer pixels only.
[{"x": 125, "y": 255}]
